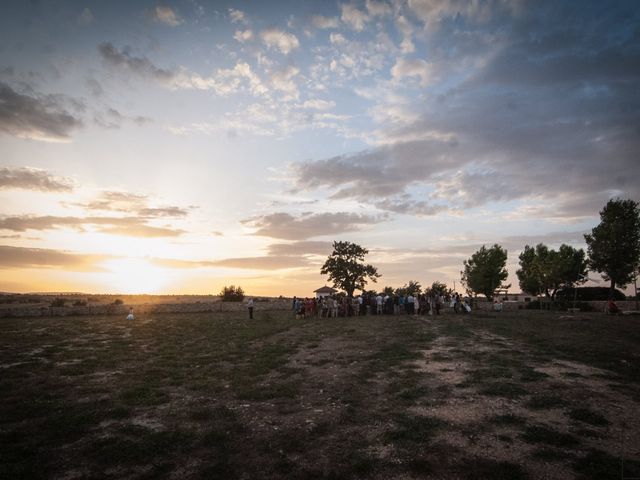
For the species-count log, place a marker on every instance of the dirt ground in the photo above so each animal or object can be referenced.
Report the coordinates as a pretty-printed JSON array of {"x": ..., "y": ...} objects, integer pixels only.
[{"x": 513, "y": 396}]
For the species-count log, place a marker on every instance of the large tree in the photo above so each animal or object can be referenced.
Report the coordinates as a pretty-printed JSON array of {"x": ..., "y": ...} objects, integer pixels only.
[
  {"x": 485, "y": 271},
  {"x": 346, "y": 268},
  {"x": 543, "y": 270},
  {"x": 614, "y": 245}
]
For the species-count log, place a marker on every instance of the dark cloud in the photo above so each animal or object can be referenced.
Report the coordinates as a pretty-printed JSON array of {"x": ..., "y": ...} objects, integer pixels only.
[
  {"x": 287, "y": 227},
  {"x": 278, "y": 256},
  {"x": 546, "y": 112},
  {"x": 138, "y": 65},
  {"x": 33, "y": 179},
  {"x": 19, "y": 257},
  {"x": 127, "y": 226},
  {"x": 37, "y": 117},
  {"x": 132, "y": 203},
  {"x": 112, "y": 118}
]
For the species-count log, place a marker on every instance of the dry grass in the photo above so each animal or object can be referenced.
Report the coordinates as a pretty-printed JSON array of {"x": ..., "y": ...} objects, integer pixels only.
[{"x": 518, "y": 395}]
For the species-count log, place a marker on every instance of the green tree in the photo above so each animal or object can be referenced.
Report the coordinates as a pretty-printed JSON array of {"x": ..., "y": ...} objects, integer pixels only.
[
  {"x": 613, "y": 245},
  {"x": 232, "y": 294},
  {"x": 388, "y": 291},
  {"x": 346, "y": 268},
  {"x": 412, "y": 288},
  {"x": 485, "y": 271},
  {"x": 439, "y": 288},
  {"x": 570, "y": 268},
  {"x": 529, "y": 275},
  {"x": 543, "y": 270}
]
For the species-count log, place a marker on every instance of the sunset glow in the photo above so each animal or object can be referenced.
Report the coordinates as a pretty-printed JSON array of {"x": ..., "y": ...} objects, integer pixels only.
[{"x": 184, "y": 146}]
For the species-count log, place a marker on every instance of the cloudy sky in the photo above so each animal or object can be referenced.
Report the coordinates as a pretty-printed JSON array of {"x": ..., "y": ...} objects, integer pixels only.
[{"x": 182, "y": 146}]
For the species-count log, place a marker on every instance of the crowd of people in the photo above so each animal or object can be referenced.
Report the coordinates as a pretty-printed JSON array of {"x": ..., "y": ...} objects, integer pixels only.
[{"x": 379, "y": 304}]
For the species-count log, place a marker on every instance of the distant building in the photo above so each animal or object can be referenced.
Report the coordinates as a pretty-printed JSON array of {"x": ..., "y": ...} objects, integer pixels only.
[
  {"x": 517, "y": 297},
  {"x": 325, "y": 292}
]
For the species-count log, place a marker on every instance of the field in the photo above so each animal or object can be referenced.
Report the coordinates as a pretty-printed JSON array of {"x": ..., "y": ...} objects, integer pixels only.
[{"x": 503, "y": 396}]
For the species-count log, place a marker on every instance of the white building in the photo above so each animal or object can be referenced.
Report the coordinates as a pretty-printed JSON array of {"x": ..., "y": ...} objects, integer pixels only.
[{"x": 325, "y": 292}]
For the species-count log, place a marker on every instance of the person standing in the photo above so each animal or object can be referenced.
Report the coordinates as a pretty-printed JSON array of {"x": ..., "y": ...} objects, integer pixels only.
[{"x": 250, "y": 307}]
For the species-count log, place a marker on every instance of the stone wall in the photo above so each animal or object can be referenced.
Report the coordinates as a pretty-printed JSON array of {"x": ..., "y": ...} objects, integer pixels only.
[{"x": 144, "y": 309}]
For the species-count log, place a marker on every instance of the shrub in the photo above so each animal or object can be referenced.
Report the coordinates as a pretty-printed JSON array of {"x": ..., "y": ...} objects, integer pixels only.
[
  {"x": 232, "y": 294},
  {"x": 117, "y": 301},
  {"x": 588, "y": 293},
  {"x": 80, "y": 303},
  {"x": 58, "y": 302}
]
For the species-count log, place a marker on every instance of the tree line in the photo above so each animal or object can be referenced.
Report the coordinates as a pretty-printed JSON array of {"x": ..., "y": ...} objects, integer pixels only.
[{"x": 613, "y": 250}]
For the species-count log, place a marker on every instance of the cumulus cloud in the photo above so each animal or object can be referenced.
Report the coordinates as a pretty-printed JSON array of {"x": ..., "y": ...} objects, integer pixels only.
[
  {"x": 33, "y": 179},
  {"x": 337, "y": 38},
  {"x": 317, "y": 104},
  {"x": 287, "y": 227},
  {"x": 37, "y": 117},
  {"x": 412, "y": 68},
  {"x": 284, "y": 81},
  {"x": 167, "y": 15},
  {"x": 353, "y": 16},
  {"x": 378, "y": 9},
  {"x": 280, "y": 40},
  {"x": 20, "y": 257},
  {"x": 224, "y": 81},
  {"x": 322, "y": 22},
  {"x": 243, "y": 35},
  {"x": 237, "y": 16}
]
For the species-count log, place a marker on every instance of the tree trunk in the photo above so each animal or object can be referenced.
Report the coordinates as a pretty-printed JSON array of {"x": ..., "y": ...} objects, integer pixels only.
[{"x": 612, "y": 289}]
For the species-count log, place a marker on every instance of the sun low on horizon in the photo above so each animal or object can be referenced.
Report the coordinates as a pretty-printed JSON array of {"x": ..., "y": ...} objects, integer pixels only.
[{"x": 179, "y": 147}]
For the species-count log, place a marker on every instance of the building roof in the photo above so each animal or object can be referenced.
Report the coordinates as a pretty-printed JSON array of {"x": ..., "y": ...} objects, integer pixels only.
[{"x": 325, "y": 289}]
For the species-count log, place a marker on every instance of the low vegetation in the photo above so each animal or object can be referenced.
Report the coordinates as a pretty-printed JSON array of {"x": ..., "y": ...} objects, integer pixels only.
[{"x": 514, "y": 396}]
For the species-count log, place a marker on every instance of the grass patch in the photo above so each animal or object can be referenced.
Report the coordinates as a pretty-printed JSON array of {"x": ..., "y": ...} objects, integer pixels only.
[
  {"x": 503, "y": 389},
  {"x": 552, "y": 454},
  {"x": 487, "y": 468},
  {"x": 507, "y": 419},
  {"x": 410, "y": 429},
  {"x": 601, "y": 465},
  {"x": 216, "y": 395},
  {"x": 588, "y": 416},
  {"x": 548, "y": 436},
  {"x": 545, "y": 402}
]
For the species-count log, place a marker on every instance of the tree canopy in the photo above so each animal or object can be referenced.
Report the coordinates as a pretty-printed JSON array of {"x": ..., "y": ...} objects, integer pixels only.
[
  {"x": 485, "y": 271},
  {"x": 346, "y": 268},
  {"x": 614, "y": 244},
  {"x": 232, "y": 294},
  {"x": 439, "y": 288},
  {"x": 545, "y": 271}
]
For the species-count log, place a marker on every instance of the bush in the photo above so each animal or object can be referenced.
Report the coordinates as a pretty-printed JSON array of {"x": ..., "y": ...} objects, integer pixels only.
[
  {"x": 232, "y": 294},
  {"x": 117, "y": 301},
  {"x": 80, "y": 303},
  {"x": 58, "y": 302},
  {"x": 586, "y": 294}
]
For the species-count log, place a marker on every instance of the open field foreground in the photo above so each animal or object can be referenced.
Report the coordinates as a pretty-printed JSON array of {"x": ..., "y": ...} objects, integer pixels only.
[{"x": 503, "y": 396}]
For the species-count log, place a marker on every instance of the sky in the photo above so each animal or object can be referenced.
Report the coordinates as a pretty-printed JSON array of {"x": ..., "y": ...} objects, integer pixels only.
[{"x": 178, "y": 147}]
